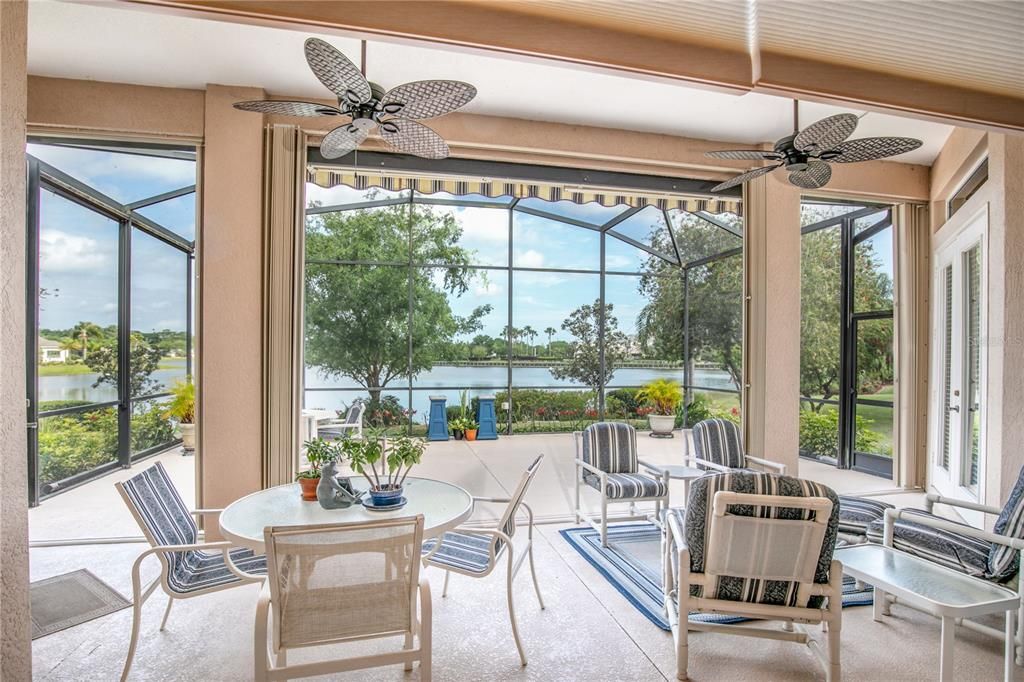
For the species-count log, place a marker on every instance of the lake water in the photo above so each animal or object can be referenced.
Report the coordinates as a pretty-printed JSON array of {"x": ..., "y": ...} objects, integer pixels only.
[{"x": 441, "y": 380}]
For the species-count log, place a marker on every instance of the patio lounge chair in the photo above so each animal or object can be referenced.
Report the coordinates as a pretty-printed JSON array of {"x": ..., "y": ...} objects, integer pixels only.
[
  {"x": 187, "y": 568},
  {"x": 606, "y": 460},
  {"x": 993, "y": 555},
  {"x": 351, "y": 426},
  {"x": 475, "y": 551},
  {"x": 718, "y": 446},
  {"x": 755, "y": 545}
]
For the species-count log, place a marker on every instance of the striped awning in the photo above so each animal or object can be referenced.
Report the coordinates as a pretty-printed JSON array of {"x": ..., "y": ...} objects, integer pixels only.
[{"x": 332, "y": 176}]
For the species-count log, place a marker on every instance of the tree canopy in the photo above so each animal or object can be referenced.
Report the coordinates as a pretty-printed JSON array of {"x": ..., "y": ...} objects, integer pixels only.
[{"x": 584, "y": 362}]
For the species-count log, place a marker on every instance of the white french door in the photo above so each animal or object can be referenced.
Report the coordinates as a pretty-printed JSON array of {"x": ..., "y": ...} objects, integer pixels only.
[{"x": 957, "y": 433}]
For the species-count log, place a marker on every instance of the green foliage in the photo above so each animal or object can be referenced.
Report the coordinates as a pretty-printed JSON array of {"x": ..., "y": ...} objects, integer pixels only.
[
  {"x": 663, "y": 395},
  {"x": 584, "y": 363},
  {"x": 702, "y": 407},
  {"x": 622, "y": 403},
  {"x": 357, "y": 317},
  {"x": 183, "y": 402},
  {"x": 385, "y": 411},
  {"x": 819, "y": 434},
  {"x": 144, "y": 360},
  {"x": 384, "y": 462},
  {"x": 318, "y": 453},
  {"x": 150, "y": 427}
]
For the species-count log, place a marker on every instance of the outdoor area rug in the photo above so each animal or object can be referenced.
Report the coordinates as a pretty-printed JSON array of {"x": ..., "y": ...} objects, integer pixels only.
[
  {"x": 64, "y": 601},
  {"x": 632, "y": 563}
]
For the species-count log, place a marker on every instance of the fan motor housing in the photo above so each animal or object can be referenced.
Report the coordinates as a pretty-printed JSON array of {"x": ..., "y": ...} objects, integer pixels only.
[{"x": 792, "y": 158}]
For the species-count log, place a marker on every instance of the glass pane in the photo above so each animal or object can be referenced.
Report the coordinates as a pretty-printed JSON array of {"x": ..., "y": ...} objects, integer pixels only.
[
  {"x": 947, "y": 365},
  {"x": 819, "y": 430},
  {"x": 875, "y": 359},
  {"x": 75, "y": 443},
  {"x": 372, "y": 235},
  {"x": 591, "y": 213},
  {"x": 967, "y": 190},
  {"x": 343, "y": 194},
  {"x": 712, "y": 405},
  {"x": 647, "y": 227},
  {"x": 459, "y": 321},
  {"x": 864, "y": 222},
  {"x": 357, "y": 320},
  {"x": 873, "y": 273},
  {"x": 503, "y": 200},
  {"x": 545, "y": 243},
  {"x": 620, "y": 256},
  {"x": 78, "y": 301},
  {"x": 159, "y": 315},
  {"x": 973, "y": 402},
  {"x": 150, "y": 428},
  {"x": 559, "y": 311},
  {"x": 177, "y": 215},
  {"x": 811, "y": 213},
  {"x": 122, "y": 177},
  {"x": 715, "y": 306},
  {"x": 460, "y": 235},
  {"x": 874, "y": 430},
  {"x": 819, "y": 313},
  {"x": 550, "y": 410},
  {"x": 653, "y": 340},
  {"x": 697, "y": 238}
]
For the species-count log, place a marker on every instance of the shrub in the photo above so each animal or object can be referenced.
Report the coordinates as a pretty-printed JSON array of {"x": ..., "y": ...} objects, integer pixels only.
[
  {"x": 622, "y": 403},
  {"x": 151, "y": 427},
  {"x": 819, "y": 434},
  {"x": 663, "y": 395},
  {"x": 702, "y": 407}
]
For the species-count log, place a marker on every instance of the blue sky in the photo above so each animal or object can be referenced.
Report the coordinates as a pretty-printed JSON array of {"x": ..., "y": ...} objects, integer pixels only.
[{"x": 78, "y": 247}]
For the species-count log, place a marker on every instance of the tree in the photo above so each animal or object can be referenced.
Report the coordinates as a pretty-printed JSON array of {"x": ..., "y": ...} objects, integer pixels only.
[
  {"x": 550, "y": 331},
  {"x": 357, "y": 316},
  {"x": 529, "y": 333},
  {"x": 584, "y": 363},
  {"x": 79, "y": 336},
  {"x": 143, "y": 360}
]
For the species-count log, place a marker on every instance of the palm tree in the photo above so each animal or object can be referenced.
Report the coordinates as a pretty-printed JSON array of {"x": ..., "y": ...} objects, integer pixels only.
[
  {"x": 82, "y": 331},
  {"x": 530, "y": 334},
  {"x": 550, "y": 331},
  {"x": 510, "y": 333}
]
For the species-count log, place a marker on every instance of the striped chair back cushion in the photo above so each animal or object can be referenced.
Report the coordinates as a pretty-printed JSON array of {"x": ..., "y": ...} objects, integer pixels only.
[
  {"x": 1003, "y": 562},
  {"x": 611, "y": 447},
  {"x": 698, "y": 519},
  {"x": 718, "y": 441},
  {"x": 508, "y": 519},
  {"x": 164, "y": 518}
]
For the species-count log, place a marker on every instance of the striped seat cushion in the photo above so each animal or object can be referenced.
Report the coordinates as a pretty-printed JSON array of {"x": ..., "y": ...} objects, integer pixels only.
[
  {"x": 610, "y": 447},
  {"x": 201, "y": 570},
  {"x": 718, "y": 441},
  {"x": 628, "y": 486},
  {"x": 755, "y": 590},
  {"x": 947, "y": 548},
  {"x": 1003, "y": 561},
  {"x": 464, "y": 551},
  {"x": 857, "y": 513}
]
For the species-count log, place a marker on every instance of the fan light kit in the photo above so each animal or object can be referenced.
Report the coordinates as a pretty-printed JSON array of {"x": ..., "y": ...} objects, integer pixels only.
[
  {"x": 807, "y": 153},
  {"x": 368, "y": 106}
]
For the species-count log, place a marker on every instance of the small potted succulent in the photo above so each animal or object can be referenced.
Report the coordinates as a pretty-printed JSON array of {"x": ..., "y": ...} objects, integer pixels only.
[
  {"x": 182, "y": 409},
  {"x": 318, "y": 452},
  {"x": 384, "y": 463},
  {"x": 664, "y": 396},
  {"x": 470, "y": 428}
]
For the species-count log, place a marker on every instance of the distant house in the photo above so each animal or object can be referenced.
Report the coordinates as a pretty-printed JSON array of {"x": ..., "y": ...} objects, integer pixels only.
[{"x": 51, "y": 351}]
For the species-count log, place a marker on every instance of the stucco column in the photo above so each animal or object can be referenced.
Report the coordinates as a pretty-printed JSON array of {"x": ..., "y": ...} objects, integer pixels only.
[
  {"x": 15, "y": 640},
  {"x": 772, "y": 320},
  {"x": 230, "y": 360}
]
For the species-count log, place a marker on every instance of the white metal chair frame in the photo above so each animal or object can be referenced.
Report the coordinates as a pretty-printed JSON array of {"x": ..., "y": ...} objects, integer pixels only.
[
  {"x": 660, "y": 501},
  {"x": 677, "y": 583},
  {"x": 495, "y": 534},
  {"x": 141, "y": 594},
  {"x": 267, "y": 649},
  {"x": 355, "y": 426},
  {"x": 931, "y": 499}
]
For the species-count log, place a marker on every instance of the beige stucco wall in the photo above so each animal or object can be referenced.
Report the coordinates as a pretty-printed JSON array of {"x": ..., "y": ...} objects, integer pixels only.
[{"x": 15, "y": 642}]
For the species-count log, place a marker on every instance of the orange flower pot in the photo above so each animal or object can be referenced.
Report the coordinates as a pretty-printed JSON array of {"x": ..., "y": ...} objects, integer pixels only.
[
  {"x": 470, "y": 434},
  {"x": 309, "y": 488}
]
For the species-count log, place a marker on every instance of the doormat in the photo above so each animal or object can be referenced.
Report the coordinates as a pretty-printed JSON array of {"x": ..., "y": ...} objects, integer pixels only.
[{"x": 64, "y": 601}]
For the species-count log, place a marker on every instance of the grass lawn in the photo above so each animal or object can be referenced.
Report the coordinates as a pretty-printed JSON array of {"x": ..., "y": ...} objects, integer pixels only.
[{"x": 59, "y": 369}]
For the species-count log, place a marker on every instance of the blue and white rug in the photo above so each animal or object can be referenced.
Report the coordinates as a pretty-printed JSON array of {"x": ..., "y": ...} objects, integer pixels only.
[{"x": 632, "y": 563}]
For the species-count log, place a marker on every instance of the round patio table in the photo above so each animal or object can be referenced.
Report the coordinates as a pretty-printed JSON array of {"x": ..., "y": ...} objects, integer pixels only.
[{"x": 443, "y": 505}]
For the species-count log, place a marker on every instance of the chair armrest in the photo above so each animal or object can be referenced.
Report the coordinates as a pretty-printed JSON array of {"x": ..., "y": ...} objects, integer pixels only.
[
  {"x": 708, "y": 464},
  {"x": 892, "y": 515},
  {"x": 651, "y": 467},
  {"x": 205, "y": 512},
  {"x": 591, "y": 469},
  {"x": 777, "y": 466},
  {"x": 932, "y": 498},
  {"x": 492, "y": 499},
  {"x": 678, "y": 536}
]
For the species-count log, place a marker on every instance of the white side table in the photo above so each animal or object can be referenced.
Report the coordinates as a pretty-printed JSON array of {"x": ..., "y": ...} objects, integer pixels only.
[
  {"x": 683, "y": 473},
  {"x": 933, "y": 589}
]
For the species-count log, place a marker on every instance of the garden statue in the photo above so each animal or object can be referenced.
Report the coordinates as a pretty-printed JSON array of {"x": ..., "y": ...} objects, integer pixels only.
[{"x": 333, "y": 492}]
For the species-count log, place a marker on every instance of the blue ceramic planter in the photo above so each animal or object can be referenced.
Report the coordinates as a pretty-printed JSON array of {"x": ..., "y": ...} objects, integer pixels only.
[{"x": 386, "y": 498}]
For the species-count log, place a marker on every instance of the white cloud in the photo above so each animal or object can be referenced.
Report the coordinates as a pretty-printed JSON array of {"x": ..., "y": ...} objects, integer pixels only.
[
  {"x": 92, "y": 167},
  {"x": 63, "y": 252},
  {"x": 484, "y": 225},
  {"x": 529, "y": 259},
  {"x": 488, "y": 288},
  {"x": 618, "y": 262}
]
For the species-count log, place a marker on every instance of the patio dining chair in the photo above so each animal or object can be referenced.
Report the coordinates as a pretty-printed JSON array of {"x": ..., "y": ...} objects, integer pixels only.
[
  {"x": 188, "y": 568},
  {"x": 754, "y": 545},
  {"x": 340, "y": 583},
  {"x": 606, "y": 460},
  {"x": 991, "y": 555},
  {"x": 718, "y": 446},
  {"x": 349, "y": 427},
  {"x": 475, "y": 552}
]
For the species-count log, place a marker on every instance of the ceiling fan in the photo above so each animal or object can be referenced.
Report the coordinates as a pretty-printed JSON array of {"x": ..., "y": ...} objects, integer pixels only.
[
  {"x": 807, "y": 153},
  {"x": 368, "y": 106}
]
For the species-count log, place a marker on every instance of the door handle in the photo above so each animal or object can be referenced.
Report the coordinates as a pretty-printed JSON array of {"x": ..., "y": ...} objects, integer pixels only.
[{"x": 954, "y": 408}]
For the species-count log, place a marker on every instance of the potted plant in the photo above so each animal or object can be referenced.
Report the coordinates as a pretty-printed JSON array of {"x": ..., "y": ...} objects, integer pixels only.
[
  {"x": 183, "y": 410},
  {"x": 318, "y": 452},
  {"x": 664, "y": 396},
  {"x": 458, "y": 427},
  {"x": 384, "y": 464},
  {"x": 470, "y": 428}
]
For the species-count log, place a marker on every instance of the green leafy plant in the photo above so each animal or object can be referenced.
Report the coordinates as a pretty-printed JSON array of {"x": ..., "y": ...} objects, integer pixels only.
[
  {"x": 318, "y": 453},
  {"x": 461, "y": 424},
  {"x": 382, "y": 462},
  {"x": 663, "y": 395},
  {"x": 183, "y": 402}
]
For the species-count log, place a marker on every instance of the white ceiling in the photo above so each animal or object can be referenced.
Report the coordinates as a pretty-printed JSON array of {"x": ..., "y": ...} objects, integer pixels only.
[{"x": 130, "y": 46}]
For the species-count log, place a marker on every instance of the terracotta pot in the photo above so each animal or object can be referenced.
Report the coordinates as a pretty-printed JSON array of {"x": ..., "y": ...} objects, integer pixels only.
[
  {"x": 470, "y": 434},
  {"x": 309, "y": 488},
  {"x": 188, "y": 436},
  {"x": 661, "y": 424}
]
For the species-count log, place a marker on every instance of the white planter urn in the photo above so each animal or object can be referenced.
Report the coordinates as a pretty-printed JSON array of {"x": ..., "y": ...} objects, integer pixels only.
[
  {"x": 661, "y": 424},
  {"x": 188, "y": 436}
]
